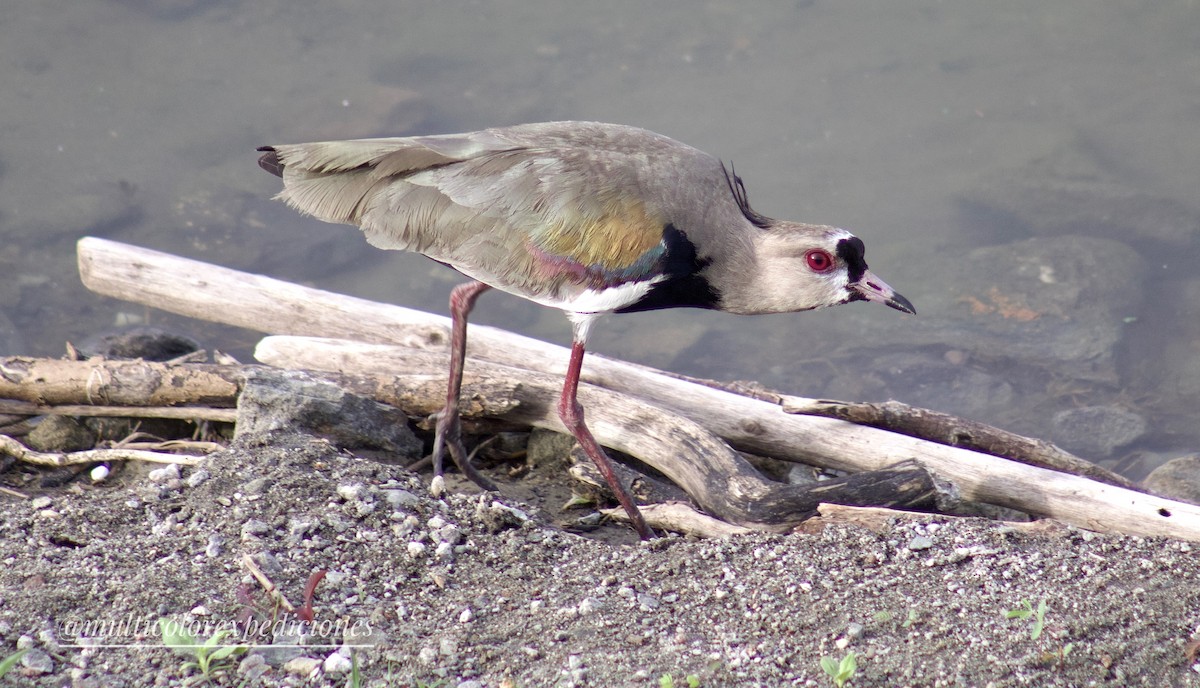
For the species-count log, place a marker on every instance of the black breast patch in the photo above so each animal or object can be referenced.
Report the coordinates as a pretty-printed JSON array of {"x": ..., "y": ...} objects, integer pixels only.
[{"x": 685, "y": 285}]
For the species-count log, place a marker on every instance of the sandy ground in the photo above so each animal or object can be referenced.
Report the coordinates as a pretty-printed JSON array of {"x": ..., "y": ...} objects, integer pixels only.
[{"x": 470, "y": 590}]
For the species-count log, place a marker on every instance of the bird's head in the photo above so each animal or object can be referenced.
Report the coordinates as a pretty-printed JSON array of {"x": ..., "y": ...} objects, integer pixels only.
[{"x": 798, "y": 267}]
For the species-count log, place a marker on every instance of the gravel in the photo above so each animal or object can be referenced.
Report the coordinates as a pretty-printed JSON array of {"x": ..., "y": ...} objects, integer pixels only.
[{"x": 484, "y": 590}]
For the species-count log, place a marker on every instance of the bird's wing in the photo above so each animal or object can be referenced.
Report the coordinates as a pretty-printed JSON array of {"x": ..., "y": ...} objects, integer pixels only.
[{"x": 539, "y": 220}]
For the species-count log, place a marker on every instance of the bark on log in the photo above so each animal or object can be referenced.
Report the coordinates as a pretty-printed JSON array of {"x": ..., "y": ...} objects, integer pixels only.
[
  {"x": 722, "y": 482},
  {"x": 1037, "y": 491},
  {"x": 260, "y": 303},
  {"x": 955, "y": 432},
  {"x": 49, "y": 381}
]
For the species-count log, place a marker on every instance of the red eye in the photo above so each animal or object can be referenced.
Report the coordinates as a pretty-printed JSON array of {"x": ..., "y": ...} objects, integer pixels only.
[{"x": 818, "y": 260}]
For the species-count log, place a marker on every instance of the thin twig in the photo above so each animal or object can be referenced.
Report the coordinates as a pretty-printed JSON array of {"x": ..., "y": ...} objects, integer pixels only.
[
  {"x": 25, "y": 408},
  {"x": 19, "y": 451},
  {"x": 271, "y": 589}
]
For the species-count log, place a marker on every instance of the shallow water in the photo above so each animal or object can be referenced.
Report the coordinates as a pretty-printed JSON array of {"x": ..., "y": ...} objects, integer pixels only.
[{"x": 138, "y": 119}]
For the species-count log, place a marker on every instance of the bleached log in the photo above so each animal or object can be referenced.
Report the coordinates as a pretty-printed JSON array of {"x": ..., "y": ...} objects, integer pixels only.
[
  {"x": 200, "y": 290},
  {"x": 722, "y": 482}
]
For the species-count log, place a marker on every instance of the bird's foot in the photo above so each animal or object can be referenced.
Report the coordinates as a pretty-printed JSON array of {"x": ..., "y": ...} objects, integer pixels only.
[{"x": 448, "y": 436}]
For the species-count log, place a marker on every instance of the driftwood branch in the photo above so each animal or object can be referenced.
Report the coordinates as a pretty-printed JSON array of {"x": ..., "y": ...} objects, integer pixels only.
[
  {"x": 15, "y": 449},
  {"x": 719, "y": 479},
  {"x": 25, "y": 408},
  {"x": 256, "y": 302},
  {"x": 955, "y": 432},
  {"x": 722, "y": 482}
]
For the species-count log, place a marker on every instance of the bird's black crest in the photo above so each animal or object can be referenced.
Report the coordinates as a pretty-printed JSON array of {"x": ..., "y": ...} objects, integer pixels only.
[
  {"x": 738, "y": 189},
  {"x": 269, "y": 161}
]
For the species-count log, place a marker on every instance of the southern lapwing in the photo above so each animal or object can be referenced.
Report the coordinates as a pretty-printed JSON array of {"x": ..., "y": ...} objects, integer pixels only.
[{"x": 586, "y": 217}]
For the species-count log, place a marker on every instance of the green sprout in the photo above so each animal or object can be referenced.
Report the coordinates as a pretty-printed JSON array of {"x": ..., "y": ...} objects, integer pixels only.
[
  {"x": 10, "y": 661},
  {"x": 210, "y": 656},
  {"x": 840, "y": 672},
  {"x": 1025, "y": 611},
  {"x": 668, "y": 681}
]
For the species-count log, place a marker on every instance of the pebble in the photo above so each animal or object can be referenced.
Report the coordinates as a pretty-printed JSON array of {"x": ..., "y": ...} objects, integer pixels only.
[
  {"x": 197, "y": 478},
  {"x": 99, "y": 473},
  {"x": 254, "y": 528},
  {"x": 40, "y": 502},
  {"x": 162, "y": 475},
  {"x": 253, "y": 667},
  {"x": 648, "y": 603},
  {"x": 256, "y": 486},
  {"x": 465, "y": 616},
  {"x": 589, "y": 605},
  {"x": 854, "y": 631},
  {"x": 448, "y": 646},
  {"x": 302, "y": 666},
  {"x": 337, "y": 663},
  {"x": 920, "y": 542},
  {"x": 427, "y": 655},
  {"x": 399, "y": 499},
  {"x": 216, "y": 546},
  {"x": 37, "y": 662},
  {"x": 416, "y": 550}
]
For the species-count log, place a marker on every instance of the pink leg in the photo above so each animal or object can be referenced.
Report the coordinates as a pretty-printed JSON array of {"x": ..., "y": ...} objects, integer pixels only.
[
  {"x": 571, "y": 413},
  {"x": 448, "y": 434}
]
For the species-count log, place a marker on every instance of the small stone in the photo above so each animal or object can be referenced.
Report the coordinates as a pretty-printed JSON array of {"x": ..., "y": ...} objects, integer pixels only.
[
  {"x": 199, "y": 610},
  {"x": 40, "y": 502},
  {"x": 465, "y": 616},
  {"x": 437, "y": 486},
  {"x": 435, "y": 522},
  {"x": 589, "y": 605},
  {"x": 99, "y": 473},
  {"x": 920, "y": 542},
  {"x": 416, "y": 550},
  {"x": 399, "y": 499},
  {"x": 256, "y": 486},
  {"x": 444, "y": 550},
  {"x": 352, "y": 492},
  {"x": 854, "y": 631},
  {"x": 337, "y": 663},
  {"x": 648, "y": 602},
  {"x": 427, "y": 656},
  {"x": 302, "y": 666},
  {"x": 36, "y": 662},
  {"x": 197, "y": 478},
  {"x": 215, "y": 547},
  {"x": 162, "y": 475},
  {"x": 254, "y": 528},
  {"x": 448, "y": 646},
  {"x": 253, "y": 667}
]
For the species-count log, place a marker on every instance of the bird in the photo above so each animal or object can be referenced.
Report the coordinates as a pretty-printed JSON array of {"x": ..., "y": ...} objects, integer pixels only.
[{"x": 589, "y": 218}]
